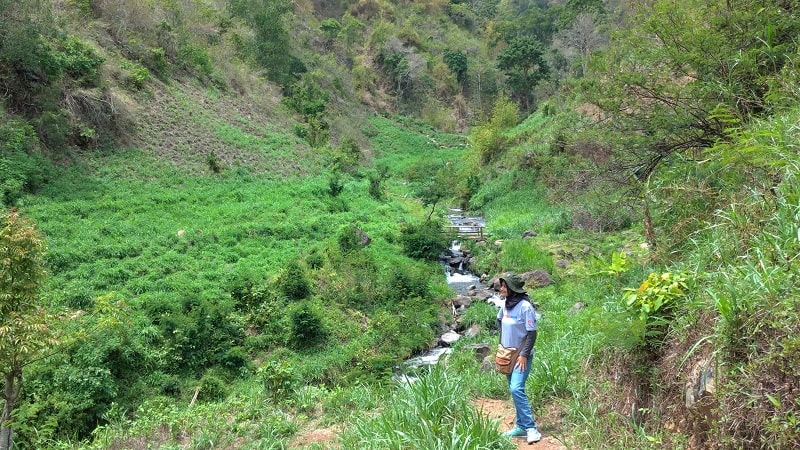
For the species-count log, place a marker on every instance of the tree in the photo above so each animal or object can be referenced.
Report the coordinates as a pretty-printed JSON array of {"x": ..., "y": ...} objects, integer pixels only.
[
  {"x": 524, "y": 65},
  {"x": 272, "y": 42},
  {"x": 581, "y": 38},
  {"x": 456, "y": 61},
  {"x": 24, "y": 331},
  {"x": 675, "y": 81}
]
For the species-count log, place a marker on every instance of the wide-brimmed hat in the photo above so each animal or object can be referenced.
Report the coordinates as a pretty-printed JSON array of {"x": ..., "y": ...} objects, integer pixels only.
[{"x": 514, "y": 282}]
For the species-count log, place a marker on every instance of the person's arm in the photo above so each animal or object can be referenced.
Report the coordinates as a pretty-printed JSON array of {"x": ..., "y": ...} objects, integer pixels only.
[
  {"x": 500, "y": 329},
  {"x": 530, "y": 340},
  {"x": 500, "y": 325}
]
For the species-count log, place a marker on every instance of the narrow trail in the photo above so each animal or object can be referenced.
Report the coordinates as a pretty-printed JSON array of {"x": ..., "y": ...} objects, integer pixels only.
[
  {"x": 500, "y": 410},
  {"x": 503, "y": 412}
]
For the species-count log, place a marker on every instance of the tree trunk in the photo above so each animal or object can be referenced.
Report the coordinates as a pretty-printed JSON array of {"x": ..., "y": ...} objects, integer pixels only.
[
  {"x": 12, "y": 387},
  {"x": 649, "y": 231}
]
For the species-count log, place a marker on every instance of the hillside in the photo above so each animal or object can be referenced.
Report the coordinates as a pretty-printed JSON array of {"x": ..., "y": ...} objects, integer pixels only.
[{"x": 223, "y": 221}]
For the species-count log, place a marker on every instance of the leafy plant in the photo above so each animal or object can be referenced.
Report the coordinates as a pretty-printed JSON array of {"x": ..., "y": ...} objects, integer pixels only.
[
  {"x": 279, "y": 378},
  {"x": 654, "y": 301},
  {"x": 24, "y": 329},
  {"x": 619, "y": 264}
]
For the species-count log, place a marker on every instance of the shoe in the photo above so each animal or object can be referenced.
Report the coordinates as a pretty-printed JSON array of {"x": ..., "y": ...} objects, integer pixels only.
[
  {"x": 516, "y": 432},
  {"x": 533, "y": 435}
]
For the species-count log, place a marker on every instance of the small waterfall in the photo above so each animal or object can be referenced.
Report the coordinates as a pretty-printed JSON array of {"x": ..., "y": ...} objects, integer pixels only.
[{"x": 457, "y": 277}]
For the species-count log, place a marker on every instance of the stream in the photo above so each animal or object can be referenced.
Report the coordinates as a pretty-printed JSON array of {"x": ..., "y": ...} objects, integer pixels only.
[{"x": 463, "y": 283}]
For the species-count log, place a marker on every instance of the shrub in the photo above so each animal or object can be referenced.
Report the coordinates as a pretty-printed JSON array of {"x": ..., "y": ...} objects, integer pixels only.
[
  {"x": 196, "y": 60},
  {"x": 349, "y": 238},
  {"x": 54, "y": 128},
  {"x": 376, "y": 179},
  {"x": 307, "y": 328},
  {"x": 347, "y": 155},
  {"x": 405, "y": 282},
  {"x": 307, "y": 98},
  {"x": 423, "y": 241},
  {"x": 279, "y": 377},
  {"x": 22, "y": 169},
  {"x": 138, "y": 76},
  {"x": 335, "y": 184},
  {"x": 293, "y": 282},
  {"x": 235, "y": 360},
  {"x": 156, "y": 60},
  {"x": 212, "y": 388},
  {"x": 81, "y": 62},
  {"x": 488, "y": 139},
  {"x": 213, "y": 163},
  {"x": 653, "y": 303}
]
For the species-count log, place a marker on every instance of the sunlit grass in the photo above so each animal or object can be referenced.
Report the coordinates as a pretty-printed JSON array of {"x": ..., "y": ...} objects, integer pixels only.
[{"x": 431, "y": 413}]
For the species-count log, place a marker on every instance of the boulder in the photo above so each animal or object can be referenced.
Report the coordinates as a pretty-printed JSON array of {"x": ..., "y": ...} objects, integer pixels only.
[
  {"x": 576, "y": 307},
  {"x": 363, "y": 237},
  {"x": 701, "y": 383},
  {"x": 536, "y": 279},
  {"x": 450, "y": 338},
  {"x": 473, "y": 330},
  {"x": 461, "y": 301},
  {"x": 482, "y": 295},
  {"x": 482, "y": 350}
]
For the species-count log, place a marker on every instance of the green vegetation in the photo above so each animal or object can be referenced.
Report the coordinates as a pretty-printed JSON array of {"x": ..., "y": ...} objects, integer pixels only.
[{"x": 242, "y": 204}]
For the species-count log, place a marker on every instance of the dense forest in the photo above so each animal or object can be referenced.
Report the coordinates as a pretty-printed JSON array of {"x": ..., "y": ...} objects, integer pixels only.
[{"x": 223, "y": 220}]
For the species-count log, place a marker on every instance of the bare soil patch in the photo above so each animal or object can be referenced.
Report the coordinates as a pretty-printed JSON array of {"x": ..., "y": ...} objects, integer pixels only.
[{"x": 503, "y": 412}]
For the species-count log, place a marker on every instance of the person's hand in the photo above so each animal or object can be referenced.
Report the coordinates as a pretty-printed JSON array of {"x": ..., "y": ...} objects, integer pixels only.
[{"x": 522, "y": 363}]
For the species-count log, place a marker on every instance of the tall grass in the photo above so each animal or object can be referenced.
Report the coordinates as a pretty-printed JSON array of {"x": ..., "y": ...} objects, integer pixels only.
[{"x": 431, "y": 414}]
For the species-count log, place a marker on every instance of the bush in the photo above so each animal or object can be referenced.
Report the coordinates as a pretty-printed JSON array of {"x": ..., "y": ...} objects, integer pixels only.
[
  {"x": 424, "y": 241},
  {"x": 405, "y": 282},
  {"x": 307, "y": 328},
  {"x": 54, "y": 128},
  {"x": 335, "y": 184},
  {"x": 212, "y": 388},
  {"x": 376, "y": 179},
  {"x": 349, "y": 238},
  {"x": 156, "y": 60},
  {"x": 138, "y": 76},
  {"x": 279, "y": 377},
  {"x": 293, "y": 282},
  {"x": 22, "y": 169},
  {"x": 81, "y": 62},
  {"x": 196, "y": 60},
  {"x": 488, "y": 139},
  {"x": 653, "y": 304}
]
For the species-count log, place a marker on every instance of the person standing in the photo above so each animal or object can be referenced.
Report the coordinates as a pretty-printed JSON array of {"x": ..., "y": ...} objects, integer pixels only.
[{"x": 517, "y": 323}]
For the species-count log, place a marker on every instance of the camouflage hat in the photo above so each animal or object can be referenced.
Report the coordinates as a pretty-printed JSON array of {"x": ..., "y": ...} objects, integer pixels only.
[{"x": 514, "y": 282}]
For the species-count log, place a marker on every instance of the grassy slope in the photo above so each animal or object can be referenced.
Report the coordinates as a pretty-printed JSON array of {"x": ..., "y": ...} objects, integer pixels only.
[{"x": 155, "y": 230}]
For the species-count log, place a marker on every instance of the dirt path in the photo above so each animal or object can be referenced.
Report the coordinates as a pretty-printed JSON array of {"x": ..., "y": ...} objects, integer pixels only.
[
  {"x": 500, "y": 410},
  {"x": 503, "y": 412}
]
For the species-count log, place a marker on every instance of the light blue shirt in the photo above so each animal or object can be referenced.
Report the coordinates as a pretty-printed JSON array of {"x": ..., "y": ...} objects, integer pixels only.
[{"x": 516, "y": 322}]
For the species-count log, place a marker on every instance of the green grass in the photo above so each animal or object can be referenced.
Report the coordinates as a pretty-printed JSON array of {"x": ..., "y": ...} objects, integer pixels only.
[
  {"x": 431, "y": 413},
  {"x": 185, "y": 253}
]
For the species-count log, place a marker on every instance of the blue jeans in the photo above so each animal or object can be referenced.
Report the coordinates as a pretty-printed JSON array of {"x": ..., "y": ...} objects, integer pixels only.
[{"x": 516, "y": 385}]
